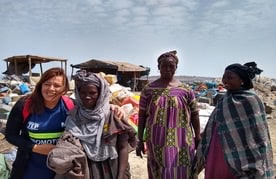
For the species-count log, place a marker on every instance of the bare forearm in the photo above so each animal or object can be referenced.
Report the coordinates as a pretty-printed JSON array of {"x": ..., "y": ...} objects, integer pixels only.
[
  {"x": 123, "y": 156},
  {"x": 141, "y": 125},
  {"x": 43, "y": 149},
  {"x": 196, "y": 123},
  {"x": 123, "y": 160}
]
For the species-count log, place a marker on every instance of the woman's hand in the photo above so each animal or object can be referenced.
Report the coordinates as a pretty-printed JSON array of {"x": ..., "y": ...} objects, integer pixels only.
[
  {"x": 121, "y": 175},
  {"x": 197, "y": 140},
  {"x": 140, "y": 149},
  {"x": 118, "y": 111},
  {"x": 43, "y": 149}
]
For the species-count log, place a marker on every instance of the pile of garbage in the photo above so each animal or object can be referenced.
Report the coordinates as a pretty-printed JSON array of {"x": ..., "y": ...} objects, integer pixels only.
[
  {"x": 13, "y": 87},
  {"x": 266, "y": 90},
  {"x": 207, "y": 93}
]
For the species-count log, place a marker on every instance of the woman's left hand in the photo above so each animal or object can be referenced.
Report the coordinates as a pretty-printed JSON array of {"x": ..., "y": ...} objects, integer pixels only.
[{"x": 43, "y": 149}]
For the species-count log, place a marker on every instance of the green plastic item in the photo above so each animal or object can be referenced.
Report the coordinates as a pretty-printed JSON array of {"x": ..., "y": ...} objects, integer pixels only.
[{"x": 4, "y": 172}]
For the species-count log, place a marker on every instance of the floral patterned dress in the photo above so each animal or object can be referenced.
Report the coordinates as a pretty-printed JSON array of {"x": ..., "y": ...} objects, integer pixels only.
[{"x": 168, "y": 130}]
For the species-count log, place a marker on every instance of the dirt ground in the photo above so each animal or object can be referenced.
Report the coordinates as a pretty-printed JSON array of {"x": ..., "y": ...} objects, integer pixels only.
[
  {"x": 138, "y": 166},
  {"x": 272, "y": 129}
]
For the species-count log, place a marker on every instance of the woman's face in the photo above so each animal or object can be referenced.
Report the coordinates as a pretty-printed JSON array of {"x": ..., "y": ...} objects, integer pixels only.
[
  {"x": 52, "y": 90},
  {"x": 89, "y": 95},
  {"x": 231, "y": 80},
  {"x": 167, "y": 68}
]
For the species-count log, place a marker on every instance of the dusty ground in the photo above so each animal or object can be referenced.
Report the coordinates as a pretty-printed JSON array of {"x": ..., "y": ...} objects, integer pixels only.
[
  {"x": 272, "y": 129},
  {"x": 138, "y": 166}
]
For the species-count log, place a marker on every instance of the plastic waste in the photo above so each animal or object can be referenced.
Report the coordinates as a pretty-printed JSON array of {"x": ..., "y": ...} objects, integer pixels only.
[{"x": 24, "y": 88}]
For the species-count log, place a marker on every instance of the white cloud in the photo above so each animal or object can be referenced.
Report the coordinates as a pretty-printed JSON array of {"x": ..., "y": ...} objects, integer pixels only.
[
  {"x": 140, "y": 11},
  {"x": 220, "y": 4},
  {"x": 151, "y": 26}
]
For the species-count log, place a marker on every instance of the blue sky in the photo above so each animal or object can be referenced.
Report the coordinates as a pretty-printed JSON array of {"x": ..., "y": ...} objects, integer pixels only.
[{"x": 208, "y": 34}]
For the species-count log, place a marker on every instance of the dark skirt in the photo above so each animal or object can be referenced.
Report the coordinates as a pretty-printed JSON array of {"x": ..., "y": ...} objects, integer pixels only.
[{"x": 107, "y": 169}]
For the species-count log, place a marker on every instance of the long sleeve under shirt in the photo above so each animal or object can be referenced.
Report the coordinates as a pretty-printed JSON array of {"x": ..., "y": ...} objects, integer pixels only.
[
  {"x": 41, "y": 129},
  {"x": 45, "y": 128}
]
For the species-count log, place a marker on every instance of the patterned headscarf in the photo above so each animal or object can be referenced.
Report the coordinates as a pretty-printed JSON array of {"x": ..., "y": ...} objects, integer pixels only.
[
  {"x": 246, "y": 72},
  {"x": 171, "y": 54}
]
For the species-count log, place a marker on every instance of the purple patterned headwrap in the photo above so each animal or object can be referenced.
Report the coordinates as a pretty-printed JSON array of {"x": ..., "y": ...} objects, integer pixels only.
[{"x": 171, "y": 54}]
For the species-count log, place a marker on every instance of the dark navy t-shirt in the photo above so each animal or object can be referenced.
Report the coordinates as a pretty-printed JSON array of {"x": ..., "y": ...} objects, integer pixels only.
[{"x": 45, "y": 128}]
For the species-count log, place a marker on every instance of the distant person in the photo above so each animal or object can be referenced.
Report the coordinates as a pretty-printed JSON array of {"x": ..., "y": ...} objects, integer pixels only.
[
  {"x": 104, "y": 137},
  {"x": 36, "y": 122},
  {"x": 168, "y": 115},
  {"x": 236, "y": 141}
]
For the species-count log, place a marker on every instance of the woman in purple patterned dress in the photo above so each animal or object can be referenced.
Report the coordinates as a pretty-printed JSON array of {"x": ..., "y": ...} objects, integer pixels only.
[{"x": 169, "y": 117}]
